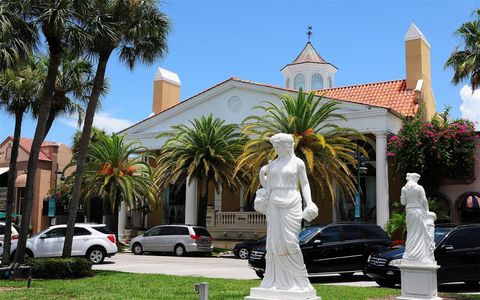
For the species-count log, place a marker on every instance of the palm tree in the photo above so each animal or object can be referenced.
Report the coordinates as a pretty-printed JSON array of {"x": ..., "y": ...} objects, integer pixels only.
[
  {"x": 466, "y": 62},
  {"x": 19, "y": 89},
  {"x": 137, "y": 30},
  {"x": 18, "y": 38},
  {"x": 322, "y": 145},
  {"x": 205, "y": 151},
  {"x": 58, "y": 23},
  {"x": 74, "y": 82},
  {"x": 116, "y": 172}
]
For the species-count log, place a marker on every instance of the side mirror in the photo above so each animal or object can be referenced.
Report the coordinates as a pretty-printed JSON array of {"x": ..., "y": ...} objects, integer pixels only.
[
  {"x": 317, "y": 242},
  {"x": 43, "y": 236}
]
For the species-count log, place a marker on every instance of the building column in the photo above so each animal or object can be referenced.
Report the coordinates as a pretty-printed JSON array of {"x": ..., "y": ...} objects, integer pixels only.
[
  {"x": 191, "y": 202},
  {"x": 218, "y": 200},
  {"x": 122, "y": 221},
  {"x": 382, "y": 199}
]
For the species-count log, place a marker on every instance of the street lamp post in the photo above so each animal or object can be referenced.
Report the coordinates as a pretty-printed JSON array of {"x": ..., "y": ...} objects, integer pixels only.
[
  {"x": 361, "y": 168},
  {"x": 52, "y": 202}
]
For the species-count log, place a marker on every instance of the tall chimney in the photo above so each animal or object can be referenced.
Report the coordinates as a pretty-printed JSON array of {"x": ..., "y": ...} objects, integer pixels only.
[
  {"x": 166, "y": 90},
  {"x": 417, "y": 53}
]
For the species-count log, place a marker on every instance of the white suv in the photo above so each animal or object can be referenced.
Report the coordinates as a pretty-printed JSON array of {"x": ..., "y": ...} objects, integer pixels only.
[{"x": 93, "y": 241}]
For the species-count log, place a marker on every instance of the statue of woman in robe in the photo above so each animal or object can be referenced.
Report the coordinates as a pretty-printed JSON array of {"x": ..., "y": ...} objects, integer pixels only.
[
  {"x": 420, "y": 243},
  {"x": 281, "y": 200}
]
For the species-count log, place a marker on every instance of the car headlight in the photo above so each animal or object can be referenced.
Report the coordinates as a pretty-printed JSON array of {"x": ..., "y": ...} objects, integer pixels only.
[{"x": 394, "y": 262}]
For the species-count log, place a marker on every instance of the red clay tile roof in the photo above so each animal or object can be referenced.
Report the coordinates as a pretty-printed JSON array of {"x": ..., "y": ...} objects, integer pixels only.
[
  {"x": 389, "y": 94},
  {"x": 26, "y": 145}
]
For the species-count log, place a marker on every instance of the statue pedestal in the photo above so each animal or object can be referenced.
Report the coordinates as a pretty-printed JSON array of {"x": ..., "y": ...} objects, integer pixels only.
[
  {"x": 268, "y": 294},
  {"x": 419, "y": 280}
]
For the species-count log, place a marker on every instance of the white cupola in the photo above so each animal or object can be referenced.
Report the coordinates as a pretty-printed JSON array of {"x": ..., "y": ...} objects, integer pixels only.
[{"x": 309, "y": 71}]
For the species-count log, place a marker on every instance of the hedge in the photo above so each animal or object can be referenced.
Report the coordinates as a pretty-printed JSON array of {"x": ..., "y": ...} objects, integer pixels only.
[{"x": 59, "y": 267}]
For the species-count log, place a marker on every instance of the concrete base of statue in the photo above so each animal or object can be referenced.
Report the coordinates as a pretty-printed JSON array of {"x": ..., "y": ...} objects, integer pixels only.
[
  {"x": 419, "y": 280},
  {"x": 269, "y": 294}
]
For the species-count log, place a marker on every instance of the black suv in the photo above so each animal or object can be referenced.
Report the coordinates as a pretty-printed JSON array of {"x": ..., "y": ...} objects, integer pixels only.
[
  {"x": 457, "y": 251},
  {"x": 336, "y": 248}
]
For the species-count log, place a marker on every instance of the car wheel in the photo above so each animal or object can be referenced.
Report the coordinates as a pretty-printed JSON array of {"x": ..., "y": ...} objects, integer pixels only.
[
  {"x": 243, "y": 253},
  {"x": 137, "y": 249},
  {"x": 259, "y": 274},
  {"x": 347, "y": 275},
  {"x": 28, "y": 254},
  {"x": 96, "y": 255},
  {"x": 385, "y": 283},
  {"x": 180, "y": 250}
]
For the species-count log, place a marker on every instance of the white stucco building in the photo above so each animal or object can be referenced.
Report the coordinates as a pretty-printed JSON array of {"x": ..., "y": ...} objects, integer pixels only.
[{"x": 374, "y": 109}]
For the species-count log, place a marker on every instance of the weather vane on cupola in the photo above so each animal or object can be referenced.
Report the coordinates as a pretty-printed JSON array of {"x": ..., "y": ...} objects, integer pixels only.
[{"x": 309, "y": 32}]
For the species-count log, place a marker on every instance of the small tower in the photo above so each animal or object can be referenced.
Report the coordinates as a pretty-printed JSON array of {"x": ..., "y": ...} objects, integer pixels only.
[{"x": 309, "y": 70}]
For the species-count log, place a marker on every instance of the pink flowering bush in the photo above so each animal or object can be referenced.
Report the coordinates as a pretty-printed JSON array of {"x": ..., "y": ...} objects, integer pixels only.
[{"x": 436, "y": 149}]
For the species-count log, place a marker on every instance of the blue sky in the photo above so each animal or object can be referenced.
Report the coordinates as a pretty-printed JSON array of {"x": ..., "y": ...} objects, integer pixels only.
[{"x": 214, "y": 40}]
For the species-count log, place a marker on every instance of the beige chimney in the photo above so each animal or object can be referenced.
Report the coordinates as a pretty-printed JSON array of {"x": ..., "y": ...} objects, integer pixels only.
[
  {"x": 417, "y": 52},
  {"x": 166, "y": 90}
]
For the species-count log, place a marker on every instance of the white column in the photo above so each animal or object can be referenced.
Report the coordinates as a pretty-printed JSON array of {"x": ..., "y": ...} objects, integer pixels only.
[
  {"x": 382, "y": 200},
  {"x": 242, "y": 199},
  {"x": 218, "y": 200},
  {"x": 122, "y": 221},
  {"x": 191, "y": 202}
]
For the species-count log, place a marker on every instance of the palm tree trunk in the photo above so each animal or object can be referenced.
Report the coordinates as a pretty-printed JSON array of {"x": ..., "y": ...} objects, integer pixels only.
[
  {"x": 98, "y": 86},
  {"x": 45, "y": 102},
  {"x": 48, "y": 126},
  {"x": 12, "y": 172}
]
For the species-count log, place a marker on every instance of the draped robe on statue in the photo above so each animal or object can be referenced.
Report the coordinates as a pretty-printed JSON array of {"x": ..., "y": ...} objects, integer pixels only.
[
  {"x": 420, "y": 244},
  {"x": 285, "y": 268}
]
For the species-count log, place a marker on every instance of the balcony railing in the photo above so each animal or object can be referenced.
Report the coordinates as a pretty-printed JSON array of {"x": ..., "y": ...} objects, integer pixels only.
[{"x": 236, "y": 225}]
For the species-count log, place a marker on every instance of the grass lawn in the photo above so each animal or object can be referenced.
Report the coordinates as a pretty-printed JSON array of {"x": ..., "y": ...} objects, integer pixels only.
[{"x": 115, "y": 285}]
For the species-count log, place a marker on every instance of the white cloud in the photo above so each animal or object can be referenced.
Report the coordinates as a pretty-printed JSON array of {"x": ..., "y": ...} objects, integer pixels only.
[
  {"x": 470, "y": 107},
  {"x": 102, "y": 120}
]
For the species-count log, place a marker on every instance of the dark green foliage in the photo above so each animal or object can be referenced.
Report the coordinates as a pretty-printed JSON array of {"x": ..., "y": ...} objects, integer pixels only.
[{"x": 71, "y": 267}]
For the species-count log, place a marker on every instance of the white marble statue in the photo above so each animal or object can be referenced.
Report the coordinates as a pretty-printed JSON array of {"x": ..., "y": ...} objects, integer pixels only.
[
  {"x": 420, "y": 244},
  {"x": 280, "y": 199}
]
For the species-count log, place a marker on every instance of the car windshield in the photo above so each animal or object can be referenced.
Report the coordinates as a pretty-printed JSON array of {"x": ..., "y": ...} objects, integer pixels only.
[
  {"x": 440, "y": 233},
  {"x": 201, "y": 231},
  {"x": 307, "y": 233}
]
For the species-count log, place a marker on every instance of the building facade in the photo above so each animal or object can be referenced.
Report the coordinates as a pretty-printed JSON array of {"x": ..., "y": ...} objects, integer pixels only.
[
  {"x": 52, "y": 158},
  {"x": 374, "y": 109}
]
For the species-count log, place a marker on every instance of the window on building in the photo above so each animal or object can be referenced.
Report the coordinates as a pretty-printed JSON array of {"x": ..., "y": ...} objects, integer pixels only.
[
  {"x": 317, "y": 82},
  {"x": 330, "y": 82},
  {"x": 287, "y": 83},
  {"x": 299, "y": 82}
]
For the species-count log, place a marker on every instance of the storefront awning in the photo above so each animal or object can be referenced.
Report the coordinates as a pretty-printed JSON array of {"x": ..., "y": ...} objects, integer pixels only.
[{"x": 4, "y": 170}]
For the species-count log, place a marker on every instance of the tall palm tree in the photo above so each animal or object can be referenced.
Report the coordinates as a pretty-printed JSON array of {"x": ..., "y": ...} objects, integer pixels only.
[
  {"x": 19, "y": 89},
  {"x": 323, "y": 146},
  {"x": 137, "y": 31},
  {"x": 205, "y": 151},
  {"x": 466, "y": 62},
  {"x": 58, "y": 23},
  {"x": 116, "y": 172},
  {"x": 73, "y": 84}
]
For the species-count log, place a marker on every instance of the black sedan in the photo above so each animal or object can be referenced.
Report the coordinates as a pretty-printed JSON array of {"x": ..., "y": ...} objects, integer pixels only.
[
  {"x": 242, "y": 250},
  {"x": 336, "y": 248},
  {"x": 457, "y": 252}
]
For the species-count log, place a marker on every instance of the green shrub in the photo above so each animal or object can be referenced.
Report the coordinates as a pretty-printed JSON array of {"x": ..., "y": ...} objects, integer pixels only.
[{"x": 59, "y": 267}]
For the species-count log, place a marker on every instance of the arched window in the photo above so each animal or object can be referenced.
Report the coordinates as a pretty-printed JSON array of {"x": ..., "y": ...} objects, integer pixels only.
[
  {"x": 287, "y": 83},
  {"x": 317, "y": 82},
  {"x": 299, "y": 81},
  {"x": 330, "y": 82}
]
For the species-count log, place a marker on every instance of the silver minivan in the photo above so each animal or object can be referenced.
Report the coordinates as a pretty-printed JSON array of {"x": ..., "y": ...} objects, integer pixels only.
[{"x": 179, "y": 239}]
